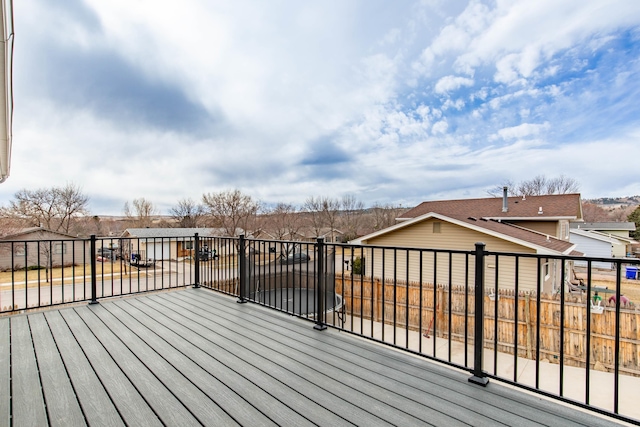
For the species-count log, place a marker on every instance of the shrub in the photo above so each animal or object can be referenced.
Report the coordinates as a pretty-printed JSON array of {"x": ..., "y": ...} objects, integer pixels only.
[{"x": 358, "y": 266}]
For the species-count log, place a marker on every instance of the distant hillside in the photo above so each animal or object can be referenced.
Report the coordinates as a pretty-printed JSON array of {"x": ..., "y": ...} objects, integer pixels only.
[{"x": 615, "y": 202}]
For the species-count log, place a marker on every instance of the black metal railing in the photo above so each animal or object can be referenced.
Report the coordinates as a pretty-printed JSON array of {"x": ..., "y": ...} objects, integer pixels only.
[
  {"x": 535, "y": 321},
  {"x": 42, "y": 273}
]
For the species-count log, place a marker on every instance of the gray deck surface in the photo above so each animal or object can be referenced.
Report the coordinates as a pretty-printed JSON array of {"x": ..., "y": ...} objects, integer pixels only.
[{"x": 194, "y": 357}]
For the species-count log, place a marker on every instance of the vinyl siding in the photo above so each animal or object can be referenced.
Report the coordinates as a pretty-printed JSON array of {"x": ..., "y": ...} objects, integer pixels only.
[
  {"x": 444, "y": 268},
  {"x": 552, "y": 228}
]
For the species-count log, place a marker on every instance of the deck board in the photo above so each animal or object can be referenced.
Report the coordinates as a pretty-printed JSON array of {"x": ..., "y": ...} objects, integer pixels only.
[
  {"x": 201, "y": 370},
  {"x": 226, "y": 367},
  {"x": 267, "y": 368},
  {"x": 93, "y": 398},
  {"x": 202, "y": 409},
  {"x": 5, "y": 384},
  {"x": 131, "y": 405},
  {"x": 62, "y": 404},
  {"x": 27, "y": 402},
  {"x": 358, "y": 402},
  {"x": 194, "y": 357},
  {"x": 164, "y": 404},
  {"x": 165, "y": 360},
  {"x": 374, "y": 376}
]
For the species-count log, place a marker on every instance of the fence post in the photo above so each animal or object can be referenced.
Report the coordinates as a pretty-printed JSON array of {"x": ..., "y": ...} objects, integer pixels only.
[
  {"x": 94, "y": 280},
  {"x": 320, "y": 292},
  {"x": 242, "y": 266},
  {"x": 479, "y": 376},
  {"x": 196, "y": 248}
]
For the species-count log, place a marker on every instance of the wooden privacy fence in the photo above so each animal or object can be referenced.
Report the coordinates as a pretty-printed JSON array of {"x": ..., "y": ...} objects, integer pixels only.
[{"x": 402, "y": 304}]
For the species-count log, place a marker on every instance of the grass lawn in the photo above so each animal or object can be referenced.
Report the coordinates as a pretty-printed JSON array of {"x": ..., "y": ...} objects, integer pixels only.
[{"x": 106, "y": 268}]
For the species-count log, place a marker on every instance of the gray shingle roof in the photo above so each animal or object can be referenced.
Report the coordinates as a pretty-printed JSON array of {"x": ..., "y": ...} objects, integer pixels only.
[{"x": 173, "y": 232}]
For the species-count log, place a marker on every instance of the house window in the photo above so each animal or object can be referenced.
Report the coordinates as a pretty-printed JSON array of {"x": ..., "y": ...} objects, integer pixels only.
[
  {"x": 60, "y": 248},
  {"x": 546, "y": 269},
  {"x": 187, "y": 245},
  {"x": 436, "y": 227},
  {"x": 19, "y": 250}
]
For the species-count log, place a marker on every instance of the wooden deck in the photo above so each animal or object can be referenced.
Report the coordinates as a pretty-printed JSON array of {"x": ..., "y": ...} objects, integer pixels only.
[{"x": 194, "y": 357}]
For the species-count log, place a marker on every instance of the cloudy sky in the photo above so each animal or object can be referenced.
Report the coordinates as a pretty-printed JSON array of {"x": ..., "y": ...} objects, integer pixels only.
[{"x": 392, "y": 101}]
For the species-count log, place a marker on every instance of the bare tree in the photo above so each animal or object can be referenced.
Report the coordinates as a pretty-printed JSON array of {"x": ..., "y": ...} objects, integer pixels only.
[
  {"x": 352, "y": 216},
  {"x": 140, "y": 212},
  {"x": 284, "y": 220},
  {"x": 232, "y": 210},
  {"x": 594, "y": 213},
  {"x": 52, "y": 208},
  {"x": 385, "y": 215},
  {"x": 313, "y": 206},
  {"x": 324, "y": 213},
  {"x": 538, "y": 186},
  {"x": 187, "y": 213}
]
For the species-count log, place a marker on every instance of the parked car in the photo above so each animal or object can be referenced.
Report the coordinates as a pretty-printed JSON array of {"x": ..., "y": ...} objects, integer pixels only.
[
  {"x": 205, "y": 254},
  {"x": 296, "y": 258},
  {"x": 107, "y": 253}
]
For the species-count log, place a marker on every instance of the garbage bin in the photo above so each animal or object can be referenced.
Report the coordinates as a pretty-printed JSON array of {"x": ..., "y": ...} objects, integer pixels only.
[{"x": 632, "y": 272}]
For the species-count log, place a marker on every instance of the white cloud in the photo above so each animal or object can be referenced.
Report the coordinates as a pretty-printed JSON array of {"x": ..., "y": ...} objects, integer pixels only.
[
  {"x": 414, "y": 99},
  {"x": 440, "y": 127},
  {"x": 524, "y": 130},
  {"x": 451, "y": 83}
]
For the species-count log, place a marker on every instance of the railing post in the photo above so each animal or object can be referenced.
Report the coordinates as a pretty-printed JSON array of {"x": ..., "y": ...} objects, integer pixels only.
[
  {"x": 196, "y": 248},
  {"x": 479, "y": 376},
  {"x": 242, "y": 266},
  {"x": 94, "y": 280},
  {"x": 320, "y": 291}
]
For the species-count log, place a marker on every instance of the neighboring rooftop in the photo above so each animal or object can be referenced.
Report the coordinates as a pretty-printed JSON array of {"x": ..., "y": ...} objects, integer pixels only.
[
  {"x": 172, "y": 232},
  {"x": 543, "y": 208},
  {"x": 604, "y": 226}
]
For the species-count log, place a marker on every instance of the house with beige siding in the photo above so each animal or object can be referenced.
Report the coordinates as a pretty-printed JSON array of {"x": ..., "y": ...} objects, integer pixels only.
[
  {"x": 456, "y": 226},
  {"x": 38, "y": 246}
]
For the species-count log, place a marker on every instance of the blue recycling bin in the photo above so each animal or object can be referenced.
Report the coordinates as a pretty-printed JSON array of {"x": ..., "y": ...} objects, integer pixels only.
[{"x": 632, "y": 272}]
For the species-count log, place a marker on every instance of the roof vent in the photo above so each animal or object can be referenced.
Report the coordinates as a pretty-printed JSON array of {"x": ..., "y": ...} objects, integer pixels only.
[
  {"x": 540, "y": 210},
  {"x": 548, "y": 238},
  {"x": 524, "y": 197}
]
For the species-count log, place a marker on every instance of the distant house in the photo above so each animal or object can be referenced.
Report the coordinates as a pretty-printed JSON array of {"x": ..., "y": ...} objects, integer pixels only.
[
  {"x": 617, "y": 232},
  {"x": 164, "y": 243},
  {"x": 460, "y": 230},
  {"x": 38, "y": 246},
  {"x": 596, "y": 245}
]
